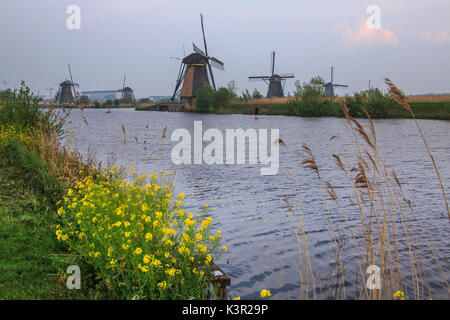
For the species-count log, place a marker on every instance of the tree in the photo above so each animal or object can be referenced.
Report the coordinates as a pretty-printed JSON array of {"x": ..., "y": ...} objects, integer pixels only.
[
  {"x": 221, "y": 98},
  {"x": 256, "y": 94},
  {"x": 145, "y": 100},
  {"x": 84, "y": 99},
  {"x": 232, "y": 89},
  {"x": 246, "y": 95},
  {"x": 298, "y": 89},
  {"x": 116, "y": 102},
  {"x": 203, "y": 98}
]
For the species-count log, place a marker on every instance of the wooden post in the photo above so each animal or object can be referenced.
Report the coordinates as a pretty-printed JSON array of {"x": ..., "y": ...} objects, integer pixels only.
[{"x": 220, "y": 279}]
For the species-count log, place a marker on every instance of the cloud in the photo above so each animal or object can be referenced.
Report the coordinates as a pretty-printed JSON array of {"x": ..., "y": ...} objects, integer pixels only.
[
  {"x": 366, "y": 37},
  {"x": 438, "y": 37}
]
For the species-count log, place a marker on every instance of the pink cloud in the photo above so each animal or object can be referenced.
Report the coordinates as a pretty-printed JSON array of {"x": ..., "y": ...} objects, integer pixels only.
[
  {"x": 369, "y": 37},
  {"x": 438, "y": 37}
]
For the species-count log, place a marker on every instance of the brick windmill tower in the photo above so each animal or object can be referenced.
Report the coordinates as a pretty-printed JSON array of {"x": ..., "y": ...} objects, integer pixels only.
[
  {"x": 193, "y": 73},
  {"x": 67, "y": 92},
  {"x": 274, "y": 81}
]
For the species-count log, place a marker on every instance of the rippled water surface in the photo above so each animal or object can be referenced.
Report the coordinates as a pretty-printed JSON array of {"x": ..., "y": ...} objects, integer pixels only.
[{"x": 257, "y": 225}]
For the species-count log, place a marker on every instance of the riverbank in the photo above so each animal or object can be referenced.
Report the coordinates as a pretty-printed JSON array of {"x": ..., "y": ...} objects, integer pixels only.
[
  {"x": 422, "y": 110},
  {"x": 129, "y": 235}
]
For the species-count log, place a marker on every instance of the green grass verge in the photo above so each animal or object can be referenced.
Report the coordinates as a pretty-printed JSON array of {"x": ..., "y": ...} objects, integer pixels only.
[{"x": 31, "y": 259}]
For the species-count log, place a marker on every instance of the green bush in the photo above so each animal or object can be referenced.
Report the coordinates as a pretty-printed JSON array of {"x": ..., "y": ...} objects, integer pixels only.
[
  {"x": 20, "y": 109},
  {"x": 204, "y": 98},
  {"x": 138, "y": 238}
]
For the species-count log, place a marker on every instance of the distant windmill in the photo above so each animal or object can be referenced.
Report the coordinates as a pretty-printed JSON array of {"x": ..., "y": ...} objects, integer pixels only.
[
  {"x": 274, "y": 80},
  {"x": 50, "y": 92},
  {"x": 127, "y": 92},
  {"x": 193, "y": 71},
  {"x": 330, "y": 86},
  {"x": 67, "y": 92}
]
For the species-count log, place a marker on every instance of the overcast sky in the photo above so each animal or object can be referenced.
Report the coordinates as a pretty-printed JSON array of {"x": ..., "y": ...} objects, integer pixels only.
[{"x": 138, "y": 37}]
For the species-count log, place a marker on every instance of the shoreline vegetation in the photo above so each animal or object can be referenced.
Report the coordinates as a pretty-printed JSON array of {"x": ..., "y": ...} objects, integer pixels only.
[
  {"x": 130, "y": 235},
  {"x": 309, "y": 101},
  {"x": 133, "y": 239}
]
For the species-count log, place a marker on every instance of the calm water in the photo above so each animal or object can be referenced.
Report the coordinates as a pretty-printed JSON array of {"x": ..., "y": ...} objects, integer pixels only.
[{"x": 257, "y": 226}]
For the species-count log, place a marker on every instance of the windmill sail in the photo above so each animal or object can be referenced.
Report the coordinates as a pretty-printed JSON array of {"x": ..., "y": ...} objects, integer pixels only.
[
  {"x": 198, "y": 50},
  {"x": 276, "y": 82}
]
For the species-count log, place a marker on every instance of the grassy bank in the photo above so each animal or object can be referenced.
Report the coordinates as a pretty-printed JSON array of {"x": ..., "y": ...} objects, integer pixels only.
[
  {"x": 330, "y": 108},
  {"x": 129, "y": 235}
]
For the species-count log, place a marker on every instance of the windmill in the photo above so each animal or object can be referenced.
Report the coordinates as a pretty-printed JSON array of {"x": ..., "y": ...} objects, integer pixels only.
[
  {"x": 330, "y": 86},
  {"x": 194, "y": 69},
  {"x": 67, "y": 92},
  {"x": 127, "y": 92},
  {"x": 274, "y": 80}
]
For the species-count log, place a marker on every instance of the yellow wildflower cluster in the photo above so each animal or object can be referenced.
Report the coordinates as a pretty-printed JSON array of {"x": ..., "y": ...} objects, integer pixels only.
[
  {"x": 139, "y": 233},
  {"x": 265, "y": 293},
  {"x": 10, "y": 131},
  {"x": 399, "y": 295}
]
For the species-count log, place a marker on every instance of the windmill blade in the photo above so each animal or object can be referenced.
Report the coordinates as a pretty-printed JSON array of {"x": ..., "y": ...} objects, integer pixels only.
[
  {"x": 272, "y": 62},
  {"x": 70, "y": 74},
  {"x": 203, "y": 31},
  {"x": 217, "y": 63},
  {"x": 73, "y": 84},
  {"x": 287, "y": 75},
  {"x": 256, "y": 78},
  {"x": 212, "y": 76},
  {"x": 341, "y": 85},
  {"x": 123, "y": 85},
  {"x": 180, "y": 79},
  {"x": 198, "y": 50}
]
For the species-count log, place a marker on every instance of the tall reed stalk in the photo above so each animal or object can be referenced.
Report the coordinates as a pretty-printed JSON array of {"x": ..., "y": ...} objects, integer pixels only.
[{"x": 387, "y": 226}]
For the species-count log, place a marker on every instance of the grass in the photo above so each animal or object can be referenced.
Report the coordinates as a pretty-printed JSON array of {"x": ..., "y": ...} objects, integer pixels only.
[
  {"x": 29, "y": 267},
  {"x": 423, "y": 109}
]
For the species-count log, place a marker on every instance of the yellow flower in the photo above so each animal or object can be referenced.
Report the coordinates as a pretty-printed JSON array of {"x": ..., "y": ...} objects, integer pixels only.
[
  {"x": 146, "y": 259},
  {"x": 137, "y": 251},
  {"x": 148, "y": 236},
  {"x": 181, "y": 196},
  {"x": 143, "y": 268},
  {"x": 224, "y": 248},
  {"x": 265, "y": 293},
  {"x": 170, "y": 272},
  {"x": 237, "y": 298},
  {"x": 112, "y": 262},
  {"x": 399, "y": 295},
  {"x": 162, "y": 285}
]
